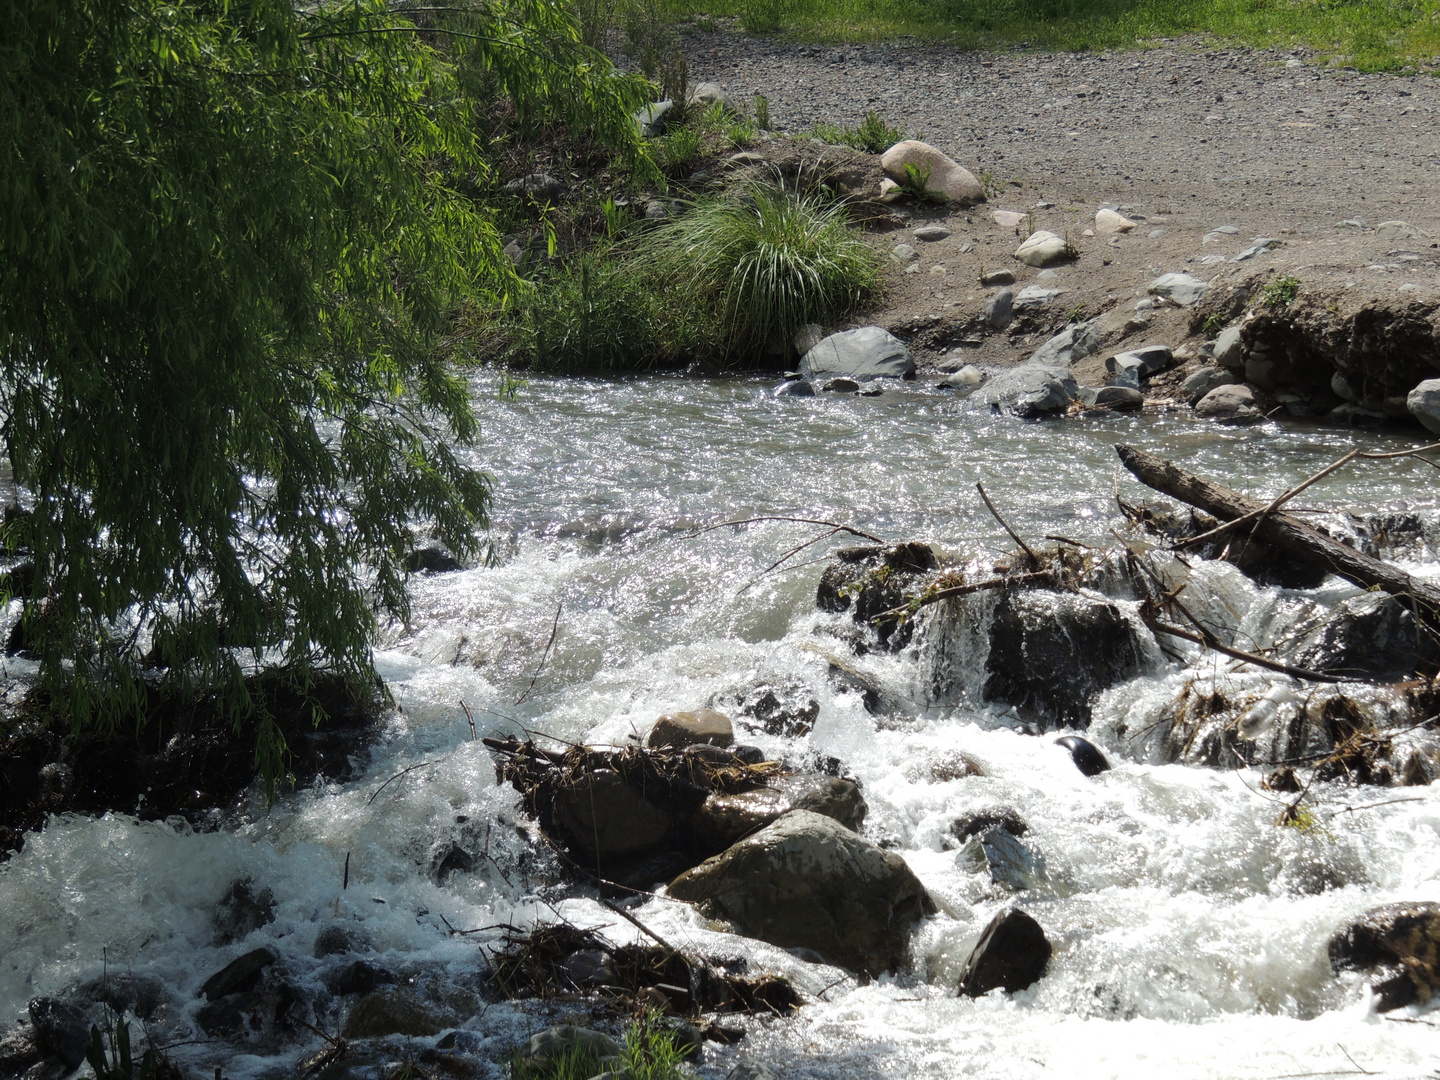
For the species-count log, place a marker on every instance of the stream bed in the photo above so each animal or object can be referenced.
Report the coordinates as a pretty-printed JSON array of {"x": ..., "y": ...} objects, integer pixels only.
[{"x": 1189, "y": 929}]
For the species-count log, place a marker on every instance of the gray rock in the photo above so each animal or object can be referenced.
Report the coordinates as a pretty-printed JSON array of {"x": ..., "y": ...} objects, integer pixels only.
[
  {"x": 724, "y": 819},
  {"x": 241, "y": 974},
  {"x": 336, "y": 939},
  {"x": 657, "y": 210},
  {"x": 1034, "y": 298},
  {"x": 1228, "y": 353},
  {"x": 1263, "y": 244},
  {"x": 1370, "y": 636},
  {"x": 540, "y": 186},
  {"x": 751, "y": 1070},
  {"x": 1424, "y": 404},
  {"x": 807, "y": 337},
  {"x": 808, "y": 882},
  {"x": 904, "y": 253},
  {"x": 998, "y": 277},
  {"x": 1221, "y": 233},
  {"x": 1233, "y": 403},
  {"x": 1051, "y": 652},
  {"x": 1043, "y": 248},
  {"x": 1260, "y": 371},
  {"x": 1000, "y": 309},
  {"x": 699, "y": 727},
  {"x": 841, "y": 386},
  {"x": 948, "y": 365},
  {"x": 1073, "y": 343},
  {"x": 1005, "y": 860},
  {"x": 709, "y": 93},
  {"x": 794, "y": 388},
  {"x": 606, "y": 817},
  {"x": 1397, "y": 230},
  {"x": 396, "y": 1010},
  {"x": 1147, "y": 360},
  {"x": 515, "y": 252},
  {"x": 1011, "y": 955},
  {"x": 863, "y": 355},
  {"x": 651, "y": 119},
  {"x": 931, "y": 233},
  {"x": 552, "y": 1043},
  {"x": 1028, "y": 391},
  {"x": 1155, "y": 234},
  {"x": 1197, "y": 385},
  {"x": 1182, "y": 289},
  {"x": 1119, "y": 397},
  {"x": 60, "y": 1030}
]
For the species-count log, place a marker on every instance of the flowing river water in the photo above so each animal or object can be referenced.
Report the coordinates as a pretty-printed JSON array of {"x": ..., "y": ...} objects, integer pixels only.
[{"x": 1189, "y": 930}]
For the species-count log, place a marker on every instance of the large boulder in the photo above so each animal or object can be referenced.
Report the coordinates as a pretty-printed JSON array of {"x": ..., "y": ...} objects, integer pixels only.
[
  {"x": 1424, "y": 404},
  {"x": 1368, "y": 636},
  {"x": 1071, "y": 344},
  {"x": 1400, "y": 945},
  {"x": 1028, "y": 391},
  {"x": 1208, "y": 378},
  {"x": 807, "y": 882},
  {"x": 864, "y": 355},
  {"x": 1181, "y": 289},
  {"x": 1010, "y": 955},
  {"x": 940, "y": 172},
  {"x": 1050, "y": 652},
  {"x": 1230, "y": 403},
  {"x": 606, "y": 817},
  {"x": 868, "y": 580},
  {"x": 724, "y": 819}
]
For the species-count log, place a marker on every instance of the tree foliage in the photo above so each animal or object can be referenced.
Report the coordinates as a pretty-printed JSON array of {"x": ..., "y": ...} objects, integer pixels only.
[{"x": 234, "y": 234}]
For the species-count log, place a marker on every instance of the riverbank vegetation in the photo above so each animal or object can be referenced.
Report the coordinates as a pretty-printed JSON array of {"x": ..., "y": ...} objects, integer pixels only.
[{"x": 1373, "y": 35}]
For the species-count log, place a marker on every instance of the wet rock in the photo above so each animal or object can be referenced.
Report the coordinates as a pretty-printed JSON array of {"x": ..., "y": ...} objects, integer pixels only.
[
  {"x": 60, "y": 1030},
  {"x": 335, "y": 938},
  {"x": 1118, "y": 397},
  {"x": 752, "y": 1070},
  {"x": 968, "y": 825},
  {"x": 1028, "y": 391},
  {"x": 1197, "y": 385},
  {"x": 808, "y": 882},
  {"x": 944, "y": 766},
  {"x": 606, "y": 817},
  {"x": 1085, "y": 754},
  {"x": 1044, "y": 248},
  {"x": 588, "y": 967},
  {"x": 1232, "y": 403},
  {"x": 791, "y": 712},
  {"x": 1424, "y": 404},
  {"x": 359, "y": 977},
  {"x": 1182, "y": 289},
  {"x": 1400, "y": 945},
  {"x": 242, "y": 911},
  {"x": 863, "y": 355},
  {"x": 841, "y": 386},
  {"x": 20, "y": 1050},
  {"x": 939, "y": 172},
  {"x": 999, "y": 855},
  {"x": 794, "y": 388},
  {"x": 1368, "y": 636},
  {"x": 432, "y": 559},
  {"x": 681, "y": 729},
  {"x": 1011, "y": 955},
  {"x": 724, "y": 819},
  {"x": 1050, "y": 652},
  {"x": 545, "y": 1048},
  {"x": 124, "y": 992},
  {"x": 872, "y": 579},
  {"x": 241, "y": 974},
  {"x": 395, "y": 1011}
]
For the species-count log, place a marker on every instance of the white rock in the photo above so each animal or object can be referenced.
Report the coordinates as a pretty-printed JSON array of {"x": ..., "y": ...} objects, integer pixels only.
[
  {"x": 807, "y": 337},
  {"x": 1042, "y": 247},
  {"x": 1221, "y": 233},
  {"x": 1181, "y": 288},
  {"x": 1007, "y": 219},
  {"x": 1234, "y": 403},
  {"x": 944, "y": 174},
  {"x": 1108, "y": 223},
  {"x": 1397, "y": 230},
  {"x": 1424, "y": 404},
  {"x": 889, "y": 191}
]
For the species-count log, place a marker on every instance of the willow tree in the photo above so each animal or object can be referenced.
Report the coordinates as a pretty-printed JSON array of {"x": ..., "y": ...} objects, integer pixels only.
[{"x": 233, "y": 233}]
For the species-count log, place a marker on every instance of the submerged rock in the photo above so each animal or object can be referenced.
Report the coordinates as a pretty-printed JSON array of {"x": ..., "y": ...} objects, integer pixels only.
[
  {"x": 968, "y": 825},
  {"x": 1399, "y": 944},
  {"x": 808, "y": 882},
  {"x": 241, "y": 974},
  {"x": 1050, "y": 652},
  {"x": 243, "y": 910},
  {"x": 725, "y": 819},
  {"x": 1086, "y": 755},
  {"x": 1368, "y": 636},
  {"x": 1004, "y": 859},
  {"x": 606, "y": 817},
  {"x": 396, "y": 1011},
  {"x": 781, "y": 710},
  {"x": 1011, "y": 955},
  {"x": 869, "y": 580},
  {"x": 60, "y": 1030},
  {"x": 681, "y": 729},
  {"x": 1028, "y": 391}
]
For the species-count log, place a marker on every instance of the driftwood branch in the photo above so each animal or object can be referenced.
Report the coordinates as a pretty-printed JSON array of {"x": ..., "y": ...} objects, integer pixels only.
[
  {"x": 1282, "y": 530},
  {"x": 926, "y": 599},
  {"x": 1005, "y": 525},
  {"x": 1265, "y": 511}
]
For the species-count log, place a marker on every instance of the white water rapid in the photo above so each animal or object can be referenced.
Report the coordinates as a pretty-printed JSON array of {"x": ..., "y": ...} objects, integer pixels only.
[{"x": 1189, "y": 930}]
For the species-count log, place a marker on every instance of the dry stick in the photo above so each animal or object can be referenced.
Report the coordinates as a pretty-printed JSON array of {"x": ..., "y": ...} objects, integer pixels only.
[
  {"x": 470, "y": 717},
  {"x": 963, "y": 590},
  {"x": 640, "y": 926},
  {"x": 1250, "y": 658},
  {"x": 1226, "y": 526},
  {"x": 785, "y": 558},
  {"x": 1407, "y": 453},
  {"x": 1004, "y": 525},
  {"x": 397, "y": 776},
  {"x": 543, "y": 657},
  {"x": 802, "y": 521}
]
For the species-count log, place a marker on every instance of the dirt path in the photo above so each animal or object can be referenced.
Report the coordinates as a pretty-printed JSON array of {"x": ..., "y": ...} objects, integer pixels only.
[{"x": 1182, "y": 139}]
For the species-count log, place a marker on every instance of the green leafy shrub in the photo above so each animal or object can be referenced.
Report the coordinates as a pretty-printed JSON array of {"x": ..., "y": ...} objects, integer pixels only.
[
  {"x": 651, "y": 1052},
  {"x": 873, "y": 135},
  {"x": 1280, "y": 292},
  {"x": 765, "y": 260}
]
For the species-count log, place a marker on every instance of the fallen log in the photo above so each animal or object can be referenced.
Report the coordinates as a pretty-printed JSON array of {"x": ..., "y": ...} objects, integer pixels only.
[{"x": 1283, "y": 531}]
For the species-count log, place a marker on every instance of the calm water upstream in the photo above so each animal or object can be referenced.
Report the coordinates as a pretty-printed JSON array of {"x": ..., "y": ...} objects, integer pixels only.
[{"x": 1189, "y": 934}]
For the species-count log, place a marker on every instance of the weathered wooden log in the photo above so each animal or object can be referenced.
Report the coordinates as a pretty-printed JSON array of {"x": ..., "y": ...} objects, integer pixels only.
[{"x": 1283, "y": 531}]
